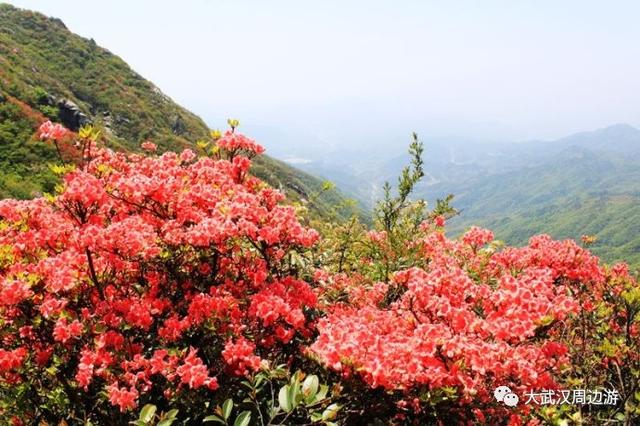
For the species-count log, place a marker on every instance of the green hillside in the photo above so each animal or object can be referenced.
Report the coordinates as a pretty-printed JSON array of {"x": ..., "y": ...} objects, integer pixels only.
[
  {"x": 580, "y": 192},
  {"x": 47, "y": 72}
]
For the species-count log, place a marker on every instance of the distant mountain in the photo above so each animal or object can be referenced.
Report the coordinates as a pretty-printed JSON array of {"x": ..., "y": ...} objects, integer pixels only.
[
  {"x": 584, "y": 184},
  {"x": 619, "y": 138},
  {"x": 47, "y": 72}
]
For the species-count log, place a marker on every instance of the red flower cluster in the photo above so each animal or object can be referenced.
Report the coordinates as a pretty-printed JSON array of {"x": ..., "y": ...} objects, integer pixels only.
[
  {"x": 239, "y": 355},
  {"x": 149, "y": 146},
  {"x": 11, "y": 360},
  {"x": 194, "y": 373},
  {"x": 51, "y": 131},
  {"x": 232, "y": 141},
  {"x": 122, "y": 397},
  {"x": 63, "y": 331}
]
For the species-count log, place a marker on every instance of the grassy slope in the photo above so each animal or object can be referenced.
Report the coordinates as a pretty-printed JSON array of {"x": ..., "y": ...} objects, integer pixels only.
[{"x": 40, "y": 58}]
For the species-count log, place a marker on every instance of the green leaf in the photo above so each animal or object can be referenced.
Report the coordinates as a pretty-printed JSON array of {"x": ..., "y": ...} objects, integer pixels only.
[
  {"x": 258, "y": 380},
  {"x": 227, "y": 407},
  {"x": 147, "y": 413},
  {"x": 322, "y": 393},
  {"x": 546, "y": 320},
  {"x": 166, "y": 422},
  {"x": 243, "y": 419},
  {"x": 328, "y": 185},
  {"x": 294, "y": 393},
  {"x": 214, "y": 418},
  {"x": 171, "y": 414},
  {"x": 284, "y": 399}
]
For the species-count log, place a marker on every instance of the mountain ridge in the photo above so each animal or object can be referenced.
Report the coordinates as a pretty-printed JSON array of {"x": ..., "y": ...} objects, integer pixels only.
[
  {"x": 48, "y": 72},
  {"x": 589, "y": 186}
]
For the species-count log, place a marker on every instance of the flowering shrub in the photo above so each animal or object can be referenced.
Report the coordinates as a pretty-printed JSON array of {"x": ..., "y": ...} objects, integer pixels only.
[
  {"x": 174, "y": 283},
  {"x": 235, "y": 142},
  {"x": 466, "y": 323},
  {"x": 144, "y": 278}
]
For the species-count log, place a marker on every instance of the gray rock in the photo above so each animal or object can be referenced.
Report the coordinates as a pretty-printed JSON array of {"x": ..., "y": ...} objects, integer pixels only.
[
  {"x": 178, "y": 127},
  {"x": 120, "y": 120},
  {"x": 71, "y": 115},
  {"x": 48, "y": 100}
]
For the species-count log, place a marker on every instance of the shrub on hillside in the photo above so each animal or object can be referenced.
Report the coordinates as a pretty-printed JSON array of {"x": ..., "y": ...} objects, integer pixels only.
[{"x": 146, "y": 278}]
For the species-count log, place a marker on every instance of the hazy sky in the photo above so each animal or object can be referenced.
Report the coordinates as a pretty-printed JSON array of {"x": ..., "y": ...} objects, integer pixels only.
[{"x": 521, "y": 69}]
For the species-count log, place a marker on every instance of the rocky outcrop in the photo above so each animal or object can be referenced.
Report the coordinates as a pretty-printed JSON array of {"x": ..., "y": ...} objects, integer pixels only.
[
  {"x": 178, "y": 127},
  {"x": 71, "y": 115}
]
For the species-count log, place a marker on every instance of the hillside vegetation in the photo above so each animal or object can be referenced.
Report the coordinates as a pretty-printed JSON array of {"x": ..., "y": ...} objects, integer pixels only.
[
  {"x": 588, "y": 185},
  {"x": 47, "y": 72}
]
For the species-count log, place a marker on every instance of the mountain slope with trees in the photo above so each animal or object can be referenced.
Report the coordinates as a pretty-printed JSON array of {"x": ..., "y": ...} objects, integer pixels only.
[
  {"x": 587, "y": 184},
  {"x": 47, "y": 72}
]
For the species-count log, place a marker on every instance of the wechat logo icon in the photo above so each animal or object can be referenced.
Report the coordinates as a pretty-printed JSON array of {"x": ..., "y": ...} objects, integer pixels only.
[{"x": 503, "y": 394}]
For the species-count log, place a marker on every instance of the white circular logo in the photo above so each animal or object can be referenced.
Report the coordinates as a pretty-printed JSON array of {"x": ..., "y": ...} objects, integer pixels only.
[
  {"x": 511, "y": 400},
  {"x": 500, "y": 392}
]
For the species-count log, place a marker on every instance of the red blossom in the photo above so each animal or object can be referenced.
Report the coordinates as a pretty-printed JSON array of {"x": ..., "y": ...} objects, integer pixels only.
[
  {"x": 232, "y": 141},
  {"x": 240, "y": 356},
  {"x": 124, "y": 398},
  {"x": 64, "y": 331},
  {"x": 51, "y": 131},
  {"x": 12, "y": 359},
  {"x": 13, "y": 292},
  {"x": 149, "y": 146},
  {"x": 194, "y": 373}
]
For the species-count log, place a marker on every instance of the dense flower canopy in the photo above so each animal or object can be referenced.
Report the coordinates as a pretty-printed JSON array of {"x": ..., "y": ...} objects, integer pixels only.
[
  {"x": 472, "y": 318},
  {"x": 137, "y": 255},
  {"x": 466, "y": 321}
]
